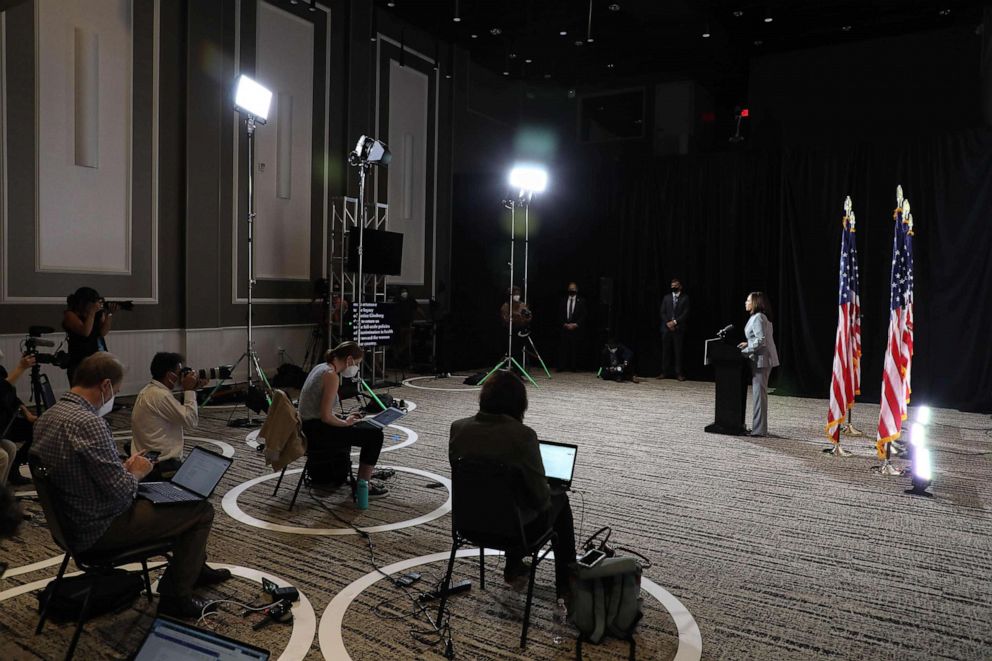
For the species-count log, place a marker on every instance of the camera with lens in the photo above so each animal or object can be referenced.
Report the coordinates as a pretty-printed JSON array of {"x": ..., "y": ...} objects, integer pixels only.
[
  {"x": 34, "y": 340},
  {"x": 220, "y": 372},
  {"x": 125, "y": 306}
]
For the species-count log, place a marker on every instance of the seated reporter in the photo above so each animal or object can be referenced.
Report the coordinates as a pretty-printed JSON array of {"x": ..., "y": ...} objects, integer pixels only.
[
  {"x": 96, "y": 491},
  {"x": 158, "y": 420},
  {"x": 497, "y": 434},
  {"x": 16, "y": 419},
  {"x": 324, "y": 429}
]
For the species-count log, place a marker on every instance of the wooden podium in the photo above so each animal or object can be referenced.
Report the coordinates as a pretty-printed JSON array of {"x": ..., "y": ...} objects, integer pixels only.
[{"x": 731, "y": 386}]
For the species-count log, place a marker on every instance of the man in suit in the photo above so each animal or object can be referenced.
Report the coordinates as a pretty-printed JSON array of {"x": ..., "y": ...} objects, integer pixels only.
[
  {"x": 573, "y": 320},
  {"x": 674, "y": 315}
]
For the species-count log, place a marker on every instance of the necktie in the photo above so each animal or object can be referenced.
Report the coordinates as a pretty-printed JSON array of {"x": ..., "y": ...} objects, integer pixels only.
[{"x": 571, "y": 306}]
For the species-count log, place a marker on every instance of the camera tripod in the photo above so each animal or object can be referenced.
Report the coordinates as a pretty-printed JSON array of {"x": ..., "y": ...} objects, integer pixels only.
[
  {"x": 40, "y": 385},
  {"x": 524, "y": 351}
]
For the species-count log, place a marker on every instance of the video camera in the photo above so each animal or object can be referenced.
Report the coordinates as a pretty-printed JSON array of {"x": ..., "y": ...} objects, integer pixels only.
[
  {"x": 34, "y": 340},
  {"x": 210, "y": 373}
]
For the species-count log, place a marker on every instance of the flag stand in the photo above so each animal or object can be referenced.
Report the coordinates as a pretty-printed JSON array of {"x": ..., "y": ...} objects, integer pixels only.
[{"x": 887, "y": 468}]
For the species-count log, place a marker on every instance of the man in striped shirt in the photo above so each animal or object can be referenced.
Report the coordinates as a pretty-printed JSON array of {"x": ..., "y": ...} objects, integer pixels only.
[{"x": 96, "y": 491}]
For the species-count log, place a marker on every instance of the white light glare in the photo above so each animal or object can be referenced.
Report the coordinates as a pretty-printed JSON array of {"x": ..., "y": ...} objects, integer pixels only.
[
  {"x": 529, "y": 178},
  {"x": 252, "y": 98},
  {"x": 923, "y": 415},
  {"x": 921, "y": 463},
  {"x": 918, "y": 435}
]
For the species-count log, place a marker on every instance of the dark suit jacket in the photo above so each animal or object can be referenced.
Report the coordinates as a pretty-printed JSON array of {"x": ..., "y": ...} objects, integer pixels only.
[
  {"x": 669, "y": 311},
  {"x": 578, "y": 314},
  {"x": 501, "y": 439}
]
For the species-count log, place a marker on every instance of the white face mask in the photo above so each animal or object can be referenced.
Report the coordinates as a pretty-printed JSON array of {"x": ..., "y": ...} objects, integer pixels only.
[
  {"x": 350, "y": 372},
  {"x": 516, "y": 298},
  {"x": 108, "y": 405}
]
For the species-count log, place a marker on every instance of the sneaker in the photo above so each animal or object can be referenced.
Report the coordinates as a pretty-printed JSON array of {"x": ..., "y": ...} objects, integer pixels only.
[
  {"x": 383, "y": 473},
  {"x": 183, "y": 608},
  {"x": 377, "y": 489},
  {"x": 210, "y": 576}
]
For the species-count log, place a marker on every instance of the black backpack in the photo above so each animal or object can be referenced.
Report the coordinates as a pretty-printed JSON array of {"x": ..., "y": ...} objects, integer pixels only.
[{"x": 109, "y": 590}]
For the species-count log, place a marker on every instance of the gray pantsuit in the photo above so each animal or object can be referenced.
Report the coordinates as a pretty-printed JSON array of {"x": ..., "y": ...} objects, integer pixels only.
[{"x": 761, "y": 350}]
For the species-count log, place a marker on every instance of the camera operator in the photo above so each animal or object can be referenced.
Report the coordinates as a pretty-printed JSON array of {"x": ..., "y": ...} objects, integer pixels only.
[
  {"x": 16, "y": 420},
  {"x": 615, "y": 362},
  {"x": 520, "y": 315},
  {"x": 158, "y": 420},
  {"x": 86, "y": 323}
]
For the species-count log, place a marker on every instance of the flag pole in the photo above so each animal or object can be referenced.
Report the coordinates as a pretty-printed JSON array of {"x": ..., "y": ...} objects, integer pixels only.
[{"x": 835, "y": 449}]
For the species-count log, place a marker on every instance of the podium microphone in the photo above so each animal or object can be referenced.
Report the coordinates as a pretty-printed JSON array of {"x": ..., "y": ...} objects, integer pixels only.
[{"x": 723, "y": 333}]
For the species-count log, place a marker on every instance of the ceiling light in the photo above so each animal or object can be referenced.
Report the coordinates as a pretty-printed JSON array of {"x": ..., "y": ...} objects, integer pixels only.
[
  {"x": 758, "y": 42},
  {"x": 313, "y": 5},
  {"x": 513, "y": 56},
  {"x": 547, "y": 75},
  {"x": 738, "y": 13},
  {"x": 944, "y": 12},
  {"x": 475, "y": 36},
  {"x": 706, "y": 32},
  {"x": 846, "y": 28},
  {"x": 457, "y": 17},
  {"x": 294, "y": 2},
  {"x": 390, "y": 3},
  {"x": 579, "y": 42},
  {"x": 589, "y": 40},
  {"x": 495, "y": 32},
  {"x": 614, "y": 7},
  {"x": 563, "y": 33},
  {"x": 610, "y": 65},
  {"x": 528, "y": 60},
  {"x": 506, "y": 73},
  {"x": 768, "y": 16}
]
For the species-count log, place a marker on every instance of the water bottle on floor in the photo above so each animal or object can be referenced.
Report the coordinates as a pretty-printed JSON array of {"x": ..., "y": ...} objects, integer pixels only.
[
  {"x": 559, "y": 623},
  {"x": 362, "y": 494}
]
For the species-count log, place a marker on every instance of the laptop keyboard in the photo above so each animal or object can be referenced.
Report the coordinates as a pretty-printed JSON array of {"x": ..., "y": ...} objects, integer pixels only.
[{"x": 164, "y": 491}]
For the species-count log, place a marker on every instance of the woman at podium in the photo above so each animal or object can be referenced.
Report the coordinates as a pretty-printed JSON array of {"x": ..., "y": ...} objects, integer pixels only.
[{"x": 760, "y": 350}]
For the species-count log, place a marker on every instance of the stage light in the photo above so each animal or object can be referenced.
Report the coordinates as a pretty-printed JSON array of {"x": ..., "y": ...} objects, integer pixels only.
[
  {"x": 252, "y": 99},
  {"x": 923, "y": 415},
  {"x": 529, "y": 178},
  {"x": 370, "y": 151},
  {"x": 745, "y": 112}
]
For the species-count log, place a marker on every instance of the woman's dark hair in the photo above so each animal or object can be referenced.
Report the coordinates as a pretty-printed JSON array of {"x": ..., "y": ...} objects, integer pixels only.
[
  {"x": 348, "y": 349},
  {"x": 504, "y": 393},
  {"x": 77, "y": 300},
  {"x": 761, "y": 303}
]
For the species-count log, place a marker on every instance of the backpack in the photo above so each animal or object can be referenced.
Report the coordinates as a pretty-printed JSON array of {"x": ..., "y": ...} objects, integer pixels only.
[
  {"x": 109, "y": 590},
  {"x": 606, "y": 598}
]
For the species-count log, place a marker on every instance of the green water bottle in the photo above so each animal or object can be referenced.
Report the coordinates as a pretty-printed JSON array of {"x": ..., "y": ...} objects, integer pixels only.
[{"x": 362, "y": 494}]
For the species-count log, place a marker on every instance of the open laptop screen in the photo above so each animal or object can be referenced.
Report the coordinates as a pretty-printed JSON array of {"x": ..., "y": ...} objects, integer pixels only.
[
  {"x": 559, "y": 460},
  {"x": 168, "y": 640},
  {"x": 201, "y": 471}
]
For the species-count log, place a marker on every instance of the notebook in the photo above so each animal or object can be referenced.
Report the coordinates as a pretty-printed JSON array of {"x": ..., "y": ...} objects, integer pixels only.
[
  {"x": 559, "y": 462},
  {"x": 195, "y": 480},
  {"x": 170, "y": 640},
  {"x": 383, "y": 419}
]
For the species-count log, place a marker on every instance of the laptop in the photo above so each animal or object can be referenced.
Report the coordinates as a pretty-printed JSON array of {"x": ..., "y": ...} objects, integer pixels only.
[
  {"x": 559, "y": 463},
  {"x": 383, "y": 419},
  {"x": 195, "y": 480},
  {"x": 171, "y": 640}
]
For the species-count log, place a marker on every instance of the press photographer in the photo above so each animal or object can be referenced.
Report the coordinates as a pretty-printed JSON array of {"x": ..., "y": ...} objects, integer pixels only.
[
  {"x": 615, "y": 362},
  {"x": 16, "y": 419},
  {"x": 158, "y": 420},
  {"x": 87, "y": 321}
]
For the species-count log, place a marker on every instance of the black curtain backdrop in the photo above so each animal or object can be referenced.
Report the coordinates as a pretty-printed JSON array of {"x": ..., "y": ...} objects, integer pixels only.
[{"x": 728, "y": 224}]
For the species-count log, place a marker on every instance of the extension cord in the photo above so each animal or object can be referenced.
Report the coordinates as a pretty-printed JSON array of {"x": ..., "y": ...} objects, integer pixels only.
[{"x": 460, "y": 586}]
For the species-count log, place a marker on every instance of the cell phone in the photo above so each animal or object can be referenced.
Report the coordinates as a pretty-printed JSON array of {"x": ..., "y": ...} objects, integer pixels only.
[
  {"x": 152, "y": 455},
  {"x": 591, "y": 558}
]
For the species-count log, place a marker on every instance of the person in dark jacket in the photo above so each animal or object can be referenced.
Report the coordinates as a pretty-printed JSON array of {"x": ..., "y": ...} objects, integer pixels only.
[
  {"x": 497, "y": 434},
  {"x": 572, "y": 316},
  {"x": 674, "y": 315}
]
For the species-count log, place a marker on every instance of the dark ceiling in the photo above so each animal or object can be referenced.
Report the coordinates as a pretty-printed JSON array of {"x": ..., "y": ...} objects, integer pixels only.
[{"x": 664, "y": 38}]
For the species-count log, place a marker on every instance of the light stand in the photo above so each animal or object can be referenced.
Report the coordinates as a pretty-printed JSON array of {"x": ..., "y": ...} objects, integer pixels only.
[
  {"x": 526, "y": 334},
  {"x": 252, "y": 100}
]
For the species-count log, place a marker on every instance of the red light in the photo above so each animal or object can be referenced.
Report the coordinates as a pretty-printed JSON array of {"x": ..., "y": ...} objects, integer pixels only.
[
  {"x": 709, "y": 116},
  {"x": 744, "y": 112}
]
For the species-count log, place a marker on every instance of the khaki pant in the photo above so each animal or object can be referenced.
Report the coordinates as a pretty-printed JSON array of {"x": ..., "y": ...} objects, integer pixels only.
[{"x": 188, "y": 524}]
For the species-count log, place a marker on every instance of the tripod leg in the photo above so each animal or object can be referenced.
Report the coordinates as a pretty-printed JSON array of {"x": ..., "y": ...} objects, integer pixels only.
[
  {"x": 524, "y": 372},
  {"x": 538, "y": 354},
  {"x": 499, "y": 365}
]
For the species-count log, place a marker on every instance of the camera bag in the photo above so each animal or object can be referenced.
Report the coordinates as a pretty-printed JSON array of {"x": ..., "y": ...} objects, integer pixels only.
[{"x": 108, "y": 591}]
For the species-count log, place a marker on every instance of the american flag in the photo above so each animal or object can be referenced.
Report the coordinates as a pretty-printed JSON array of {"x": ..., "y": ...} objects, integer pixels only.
[
  {"x": 899, "y": 348},
  {"x": 846, "y": 380}
]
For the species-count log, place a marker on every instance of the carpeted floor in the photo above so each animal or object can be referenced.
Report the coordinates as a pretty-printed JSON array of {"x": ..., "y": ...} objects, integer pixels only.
[{"x": 777, "y": 550}]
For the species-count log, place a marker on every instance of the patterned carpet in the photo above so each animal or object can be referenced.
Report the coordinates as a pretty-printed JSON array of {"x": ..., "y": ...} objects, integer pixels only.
[{"x": 777, "y": 550}]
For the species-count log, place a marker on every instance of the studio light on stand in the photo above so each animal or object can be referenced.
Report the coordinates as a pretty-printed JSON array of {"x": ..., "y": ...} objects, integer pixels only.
[
  {"x": 368, "y": 152},
  {"x": 252, "y": 100},
  {"x": 526, "y": 180}
]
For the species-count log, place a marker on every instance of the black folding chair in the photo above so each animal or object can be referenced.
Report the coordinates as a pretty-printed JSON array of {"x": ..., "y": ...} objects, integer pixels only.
[
  {"x": 305, "y": 475},
  {"x": 86, "y": 560},
  {"x": 485, "y": 511}
]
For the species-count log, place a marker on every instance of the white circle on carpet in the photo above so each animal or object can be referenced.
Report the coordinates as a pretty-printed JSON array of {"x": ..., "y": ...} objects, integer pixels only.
[
  {"x": 225, "y": 448},
  {"x": 410, "y": 382},
  {"x": 230, "y": 505},
  {"x": 304, "y": 617},
  {"x": 411, "y": 437},
  {"x": 331, "y": 638},
  {"x": 34, "y": 566}
]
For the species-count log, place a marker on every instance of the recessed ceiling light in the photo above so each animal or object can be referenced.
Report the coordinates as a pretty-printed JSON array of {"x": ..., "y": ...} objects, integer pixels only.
[
  {"x": 738, "y": 13},
  {"x": 610, "y": 65},
  {"x": 513, "y": 56},
  {"x": 528, "y": 60},
  {"x": 706, "y": 34},
  {"x": 944, "y": 12},
  {"x": 506, "y": 73},
  {"x": 589, "y": 40},
  {"x": 475, "y": 36},
  {"x": 846, "y": 28},
  {"x": 457, "y": 19},
  {"x": 758, "y": 42},
  {"x": 495, "y": 32},
  {"x": 563, "y": 33},
  {"x": 768, "y": 16},
  {"x": 390, "y": 4},
  {"x": 579, "y": 42},
  {"x": 614, "y": 7}
]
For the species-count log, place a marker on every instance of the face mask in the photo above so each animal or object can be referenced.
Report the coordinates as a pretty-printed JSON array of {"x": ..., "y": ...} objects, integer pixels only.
[
  {"x": 676, "y": 290},
  {"x": 404, "y": 296},
  {"x": 350, "y": 372},
  {"x": 572, "y": 292},
  {"x": 516, "y": 298},
  {"x": 107, "y": 406}
]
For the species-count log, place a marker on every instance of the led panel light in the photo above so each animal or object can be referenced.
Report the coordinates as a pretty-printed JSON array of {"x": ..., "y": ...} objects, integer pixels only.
[
  {"x": 529, "y": 178},
  {"x": 252, "y": 98}
]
